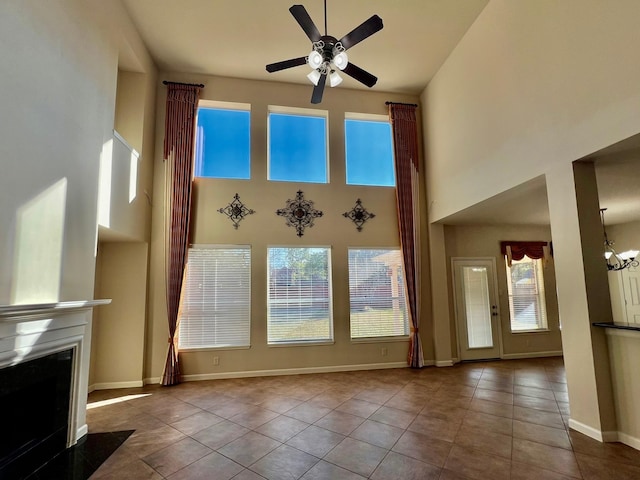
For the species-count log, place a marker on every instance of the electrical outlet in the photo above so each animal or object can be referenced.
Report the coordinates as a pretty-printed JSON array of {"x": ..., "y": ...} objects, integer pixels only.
[
  {"x": 216, "y": 361},
  {"x": 384, "y": 352}
]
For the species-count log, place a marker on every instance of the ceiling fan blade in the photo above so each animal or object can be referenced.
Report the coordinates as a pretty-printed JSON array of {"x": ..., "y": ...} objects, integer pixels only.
[
  {"x": 303, "y": 18},
  {"x": 294, "y": 62},
  {"x": 361, "y": 75},
  {"x": 366, "y": 29},
  {"x": 318, "y": 90}
]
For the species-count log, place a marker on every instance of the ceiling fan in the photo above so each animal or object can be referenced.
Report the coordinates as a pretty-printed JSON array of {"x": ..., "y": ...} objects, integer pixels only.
[{"x": 328, "y": 54}]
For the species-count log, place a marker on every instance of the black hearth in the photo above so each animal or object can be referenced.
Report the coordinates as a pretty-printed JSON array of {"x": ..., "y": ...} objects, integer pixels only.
[{"x": 34, "y": 404}]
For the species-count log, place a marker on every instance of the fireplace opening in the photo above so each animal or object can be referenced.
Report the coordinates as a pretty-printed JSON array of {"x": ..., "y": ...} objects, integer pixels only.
[{"x": 34, "y": 401}]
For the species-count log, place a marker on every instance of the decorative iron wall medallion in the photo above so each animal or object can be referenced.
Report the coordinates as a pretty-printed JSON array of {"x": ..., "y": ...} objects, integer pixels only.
[
  {"x": 299, "y": 213},
  {"x": 236, "y": 211},
  {"x": 358, "y": 215}
]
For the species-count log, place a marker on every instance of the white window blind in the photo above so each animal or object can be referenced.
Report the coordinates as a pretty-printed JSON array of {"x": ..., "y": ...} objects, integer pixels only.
[
  {"x": 525, "y": 285},
  {"x": 299, "y": 295},
  {"x": 216, "y": 298},
  {"x": 376, "y": 293},
  {"x": 478, "y": 307}
]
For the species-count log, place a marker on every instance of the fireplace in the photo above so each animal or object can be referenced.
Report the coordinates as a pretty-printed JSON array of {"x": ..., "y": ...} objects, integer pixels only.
[
  {"x": 35, "y": 396},
  {"x": 44, "y": 368}
]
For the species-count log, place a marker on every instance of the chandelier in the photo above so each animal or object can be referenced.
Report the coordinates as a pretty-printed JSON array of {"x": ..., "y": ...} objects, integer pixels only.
[{"x": 617, "y": 261}]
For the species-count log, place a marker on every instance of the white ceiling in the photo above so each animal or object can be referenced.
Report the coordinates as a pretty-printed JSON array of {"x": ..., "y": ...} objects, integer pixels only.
[{"x": 238, "y": 38}]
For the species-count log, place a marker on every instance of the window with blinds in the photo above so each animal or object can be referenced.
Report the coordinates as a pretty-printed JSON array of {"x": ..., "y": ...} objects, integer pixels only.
[
  {"x": 525, "y": 284},
  {"x": 299, "y": 306},
  {"x": 376, "y": 293},
  {"x": 215, "y": 309}
]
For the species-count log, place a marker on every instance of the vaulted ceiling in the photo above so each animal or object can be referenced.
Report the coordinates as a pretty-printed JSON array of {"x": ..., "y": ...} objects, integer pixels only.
[{"x": 237, "y": 38}]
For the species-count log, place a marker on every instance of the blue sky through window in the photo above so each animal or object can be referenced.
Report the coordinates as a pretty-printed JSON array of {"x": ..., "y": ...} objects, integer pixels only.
[
  {"x": 369, "y": 153},
  {"x": 223, "y": 144},
  {"x": 297, "y": 148}
]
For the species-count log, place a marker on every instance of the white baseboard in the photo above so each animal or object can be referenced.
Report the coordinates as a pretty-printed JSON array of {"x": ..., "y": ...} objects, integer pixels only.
[
  {"x": 514, "y": 356},
  {"x": 110, "y": 385},
  {"x": 81, "y": 431},
  {"x": 293, "y": 371},
  {"x": 444, "y": 363},
  {"x": 152, "y": 381},
  {"x": 588, "y": 431},
  {"x": 91, "y": 388},
  {"x": 627, "y": 439},
  {"x": 610, "y": 436}
]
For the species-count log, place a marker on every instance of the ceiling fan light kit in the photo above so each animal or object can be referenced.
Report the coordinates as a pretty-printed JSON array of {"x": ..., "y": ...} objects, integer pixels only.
[
  {"x": 314, "y": 77},
  {"x": 328, "y": 54},
  {"x": 340, "y": 59},
  {"x": 315, "y": 59},
  {"x": 334, "y": 79}
]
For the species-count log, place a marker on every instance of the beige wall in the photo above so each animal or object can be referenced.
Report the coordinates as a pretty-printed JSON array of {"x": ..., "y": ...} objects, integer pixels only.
[
  {"x": 533, "y": 86},
  {"x": 626, "y": 236},
  {"x": 532, "y": 83},
  {"x": 130, "y": 102},
  {"x": 57, "y": 112},
  {"x": 265, "y": 229},
  {"x": 54, "y": 125},
  {"x": 126, "y": 176},
  {"x": 118, "y": 346},
  {"x": 484, "y": 241},
  {"x": 58, "y": 100}
]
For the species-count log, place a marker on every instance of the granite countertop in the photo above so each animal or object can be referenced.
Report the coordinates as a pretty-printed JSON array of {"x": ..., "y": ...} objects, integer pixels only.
[{"x": 617, "y": 325}]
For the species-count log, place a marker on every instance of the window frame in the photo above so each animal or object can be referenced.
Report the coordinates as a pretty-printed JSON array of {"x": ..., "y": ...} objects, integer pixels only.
[
  {"x": 301, "y": 112},
  {"x": 378, "y": 338},
  {"x": 299, "y": 342},
  {"x": 248, "y": 294},
  {"x": 219, "y": 105},
  {"x": 541, "y": 299},
  {"x": 367, "y": 117}
]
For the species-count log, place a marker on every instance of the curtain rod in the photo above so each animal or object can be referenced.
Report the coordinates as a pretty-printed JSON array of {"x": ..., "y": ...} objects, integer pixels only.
[
  {"x": 166, "y": 82},
  {"x": 400, "y": 103}
]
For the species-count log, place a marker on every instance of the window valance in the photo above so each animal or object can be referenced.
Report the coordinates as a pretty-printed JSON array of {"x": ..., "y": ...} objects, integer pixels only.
[{"x": 517, "y": 250}]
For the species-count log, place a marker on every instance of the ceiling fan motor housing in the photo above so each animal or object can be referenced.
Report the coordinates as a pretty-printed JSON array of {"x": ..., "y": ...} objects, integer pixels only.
[
  {"x": 329, "y": 44},
  {"x": 326, "y": 48}
]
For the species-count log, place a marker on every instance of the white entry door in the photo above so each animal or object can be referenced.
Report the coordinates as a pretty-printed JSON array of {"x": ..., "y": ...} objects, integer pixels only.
[{"x": 477, "y": 315}]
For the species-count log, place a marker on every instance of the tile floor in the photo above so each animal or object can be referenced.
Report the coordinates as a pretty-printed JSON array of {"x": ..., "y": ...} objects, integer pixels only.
[{"x": 492, "y": 420}]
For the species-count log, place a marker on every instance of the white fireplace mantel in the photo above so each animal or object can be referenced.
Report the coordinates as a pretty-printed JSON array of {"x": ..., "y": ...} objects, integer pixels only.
[
  {"x": 37, "y": 311},
  {"x": 34, "y": 330}
]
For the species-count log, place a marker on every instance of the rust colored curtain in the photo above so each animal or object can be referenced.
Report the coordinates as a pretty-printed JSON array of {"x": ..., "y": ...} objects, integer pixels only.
[
  {"x": 182, "y": 105},
  {"x": 518, "y": 250},
  {"x": 407, "y": 167}
]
